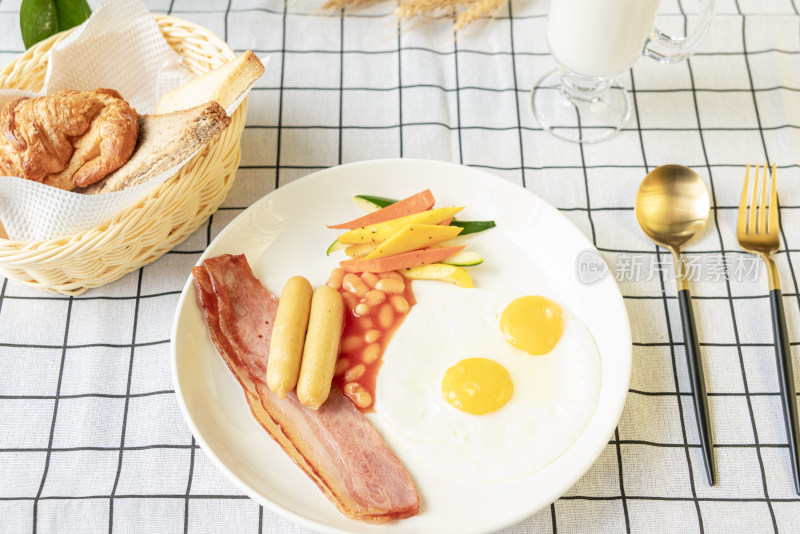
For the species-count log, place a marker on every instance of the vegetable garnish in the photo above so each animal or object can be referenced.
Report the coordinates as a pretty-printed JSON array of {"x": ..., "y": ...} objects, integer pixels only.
[
  {"x": 400, "y": 261},
  {"x": 422, "y": 201},
  {"x": 372, "y": 204},
  {"x": 410, "y": 236}
]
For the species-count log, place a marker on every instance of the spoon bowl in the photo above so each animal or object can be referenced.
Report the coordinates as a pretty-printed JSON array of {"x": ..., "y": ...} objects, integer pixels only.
[{"x": 672, "y": 205}]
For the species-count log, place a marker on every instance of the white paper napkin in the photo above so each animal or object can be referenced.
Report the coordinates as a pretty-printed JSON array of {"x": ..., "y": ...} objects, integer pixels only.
[{"x": 119, "y": 47}]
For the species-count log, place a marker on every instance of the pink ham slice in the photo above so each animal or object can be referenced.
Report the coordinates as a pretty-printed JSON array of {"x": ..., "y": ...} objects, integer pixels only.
[
  {"x": 246, "y": 310},
  {"x": 335, "y": 446}
]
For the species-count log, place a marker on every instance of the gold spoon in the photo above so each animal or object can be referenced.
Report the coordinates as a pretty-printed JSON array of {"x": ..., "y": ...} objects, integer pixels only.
[{"x": 672, "y": 208}]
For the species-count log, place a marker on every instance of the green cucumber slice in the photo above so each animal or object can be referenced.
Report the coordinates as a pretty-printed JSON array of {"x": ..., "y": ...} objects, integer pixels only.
[
  {"x": 464, "y": 258},
  {"x": 472, "y": 227},
  {"x": 336, "y": 245},
  {"x": 370, "y": 203}
]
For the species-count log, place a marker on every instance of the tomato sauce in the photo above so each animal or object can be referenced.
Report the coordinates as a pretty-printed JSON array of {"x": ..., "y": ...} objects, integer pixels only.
[{"x": 364, "y": 341}]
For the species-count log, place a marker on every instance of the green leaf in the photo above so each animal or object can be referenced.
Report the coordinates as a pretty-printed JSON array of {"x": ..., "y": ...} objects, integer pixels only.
[{"x": 39, "y": 19}]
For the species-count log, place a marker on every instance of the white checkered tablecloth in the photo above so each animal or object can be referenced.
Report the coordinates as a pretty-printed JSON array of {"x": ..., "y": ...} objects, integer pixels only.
[{"x": 91, "y": 438}]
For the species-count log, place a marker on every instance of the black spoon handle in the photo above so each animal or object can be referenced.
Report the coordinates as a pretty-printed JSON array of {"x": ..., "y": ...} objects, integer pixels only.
[
  {"x": 698, "y": 379},
  {"x": 786, "y": 375}
]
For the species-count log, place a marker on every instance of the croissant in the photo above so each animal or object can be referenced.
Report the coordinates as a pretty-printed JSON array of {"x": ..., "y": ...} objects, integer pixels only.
[{"x": 68, "y": 139}]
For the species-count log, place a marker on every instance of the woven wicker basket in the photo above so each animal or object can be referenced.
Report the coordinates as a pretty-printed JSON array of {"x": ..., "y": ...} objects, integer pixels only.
[{"x": 141, "y": 233}]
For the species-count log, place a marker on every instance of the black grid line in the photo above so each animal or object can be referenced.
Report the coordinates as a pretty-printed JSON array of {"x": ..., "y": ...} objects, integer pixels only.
[
  {"x": 516, "y": 94},
  {"x": 485, "y": 89},
  {"x": 766, "y": 149},
  {"x": 175, "y": 293},
  {"x": 781, "y": 227},
  {"x": 445, "y": 17},
  {"x": 194, "y": 446},
  {"x": 593, "y": 237},
  {"x": 534, "y": 173},
  {"x": 53, "y": 420},
  {"x": 127, "y": 406},
  {"x": 341, "y": 82},
  {"x": 280, "y": 97},
  {"x": 668, "y": 321},
  {"x": 458, "y": 93},
  {"x": 201, "y": 497},
  {"x": 399, "y": 88},
  {"x": 733, "y": 310}
]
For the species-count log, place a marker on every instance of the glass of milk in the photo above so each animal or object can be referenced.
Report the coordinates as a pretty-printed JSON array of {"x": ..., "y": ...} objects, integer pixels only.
[{"x": 593, "y": 41}]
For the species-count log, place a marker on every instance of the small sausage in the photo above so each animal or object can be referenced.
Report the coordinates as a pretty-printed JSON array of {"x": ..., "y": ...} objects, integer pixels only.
[
  {"x": 288, "y": 336},
  {"x": 321, "y": 347}
]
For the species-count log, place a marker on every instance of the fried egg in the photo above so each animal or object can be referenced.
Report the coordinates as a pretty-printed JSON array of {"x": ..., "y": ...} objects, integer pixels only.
[{"x": 488, "y": 386}]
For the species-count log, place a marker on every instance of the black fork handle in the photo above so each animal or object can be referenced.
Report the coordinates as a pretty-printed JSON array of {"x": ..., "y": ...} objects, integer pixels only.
[{"x": 783, "y": 356}]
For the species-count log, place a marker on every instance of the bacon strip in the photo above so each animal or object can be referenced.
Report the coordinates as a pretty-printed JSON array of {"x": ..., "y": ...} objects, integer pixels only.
[{"x": 335, "y": 446}]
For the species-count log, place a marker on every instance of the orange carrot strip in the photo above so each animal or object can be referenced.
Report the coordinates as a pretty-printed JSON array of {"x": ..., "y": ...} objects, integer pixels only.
[
  {"x": 400, "y": 261},
  {"x": 408, "y": 206}
]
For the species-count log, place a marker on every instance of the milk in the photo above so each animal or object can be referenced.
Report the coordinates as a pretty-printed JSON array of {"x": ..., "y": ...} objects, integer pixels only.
[{"x": 599, "y": 37}]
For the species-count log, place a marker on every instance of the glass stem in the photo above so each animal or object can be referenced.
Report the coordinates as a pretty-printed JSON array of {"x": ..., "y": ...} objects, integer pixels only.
[{"x": 583, "y": 88}]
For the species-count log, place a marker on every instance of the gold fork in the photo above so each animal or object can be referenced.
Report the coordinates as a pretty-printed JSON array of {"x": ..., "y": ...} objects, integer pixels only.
[{"x": 757, "y": 232}]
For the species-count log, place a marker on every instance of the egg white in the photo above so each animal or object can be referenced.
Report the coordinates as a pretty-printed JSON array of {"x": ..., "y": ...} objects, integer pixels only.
[{"x": 555, "y": 395}]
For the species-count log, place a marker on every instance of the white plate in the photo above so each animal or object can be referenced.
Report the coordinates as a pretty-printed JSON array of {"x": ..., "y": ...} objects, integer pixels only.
[{"x": 284, "y": 234}]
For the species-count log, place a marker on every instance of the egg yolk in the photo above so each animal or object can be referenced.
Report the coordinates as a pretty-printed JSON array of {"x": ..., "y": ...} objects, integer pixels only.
[
  {"x": 533, "y": 324},
  {"x": 477, "y": 386}
]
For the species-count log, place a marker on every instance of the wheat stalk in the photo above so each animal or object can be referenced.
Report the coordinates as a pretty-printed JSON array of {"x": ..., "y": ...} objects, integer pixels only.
[{"x": 470, "y": 10}]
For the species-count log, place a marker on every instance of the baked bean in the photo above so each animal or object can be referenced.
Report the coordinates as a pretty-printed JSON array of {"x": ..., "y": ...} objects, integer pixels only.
[
  {"x": 355, "y": 372},
  {"x": 371, "y": 353},
  {"x": 370, "y": 279},
  {"x": 350, "y": 388},
  {"x": 366, "y": 322},
  {"x": 341, "y": 366},
  {"x": 371, "y": 336},
  {"x": 362, "y": 309},
  {"x": 350, "y": 344},
  {"x": 350, "y": 300},
  {"x": 391, "y": 285},
  {"x": 375, "y": 297},
  {"x": 385, "y": 316},
  {"x": 362, "y": 398},
  {"x": 335, "y": 280},
  {"x": 400, "y": 304},
  {"x": 355, "y": 285},
  {"x": 392, "y": 274}
]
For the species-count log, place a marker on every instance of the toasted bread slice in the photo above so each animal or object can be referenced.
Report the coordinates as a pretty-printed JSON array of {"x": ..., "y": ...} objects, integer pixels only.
[
  {"x": 223, "y": 84},
  {"x": 164, "y": 141}
]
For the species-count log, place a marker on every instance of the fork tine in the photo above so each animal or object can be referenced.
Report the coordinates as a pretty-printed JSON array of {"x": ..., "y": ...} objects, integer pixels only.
[
  {"x": 741, "y": 222},
  {"x": 773, "y": 204},
  {"x": 762, "y": 205},
  {"x": 751, "y": 226}
]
